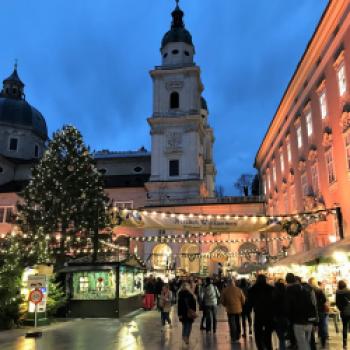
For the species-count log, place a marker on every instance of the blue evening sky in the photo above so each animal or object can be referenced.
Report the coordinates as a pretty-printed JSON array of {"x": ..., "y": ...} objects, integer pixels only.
[{"x": 86, "y": 63}]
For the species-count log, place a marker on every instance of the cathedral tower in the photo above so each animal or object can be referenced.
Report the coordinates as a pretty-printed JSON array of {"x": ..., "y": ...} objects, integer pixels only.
[{"x": 182, "y": 140}]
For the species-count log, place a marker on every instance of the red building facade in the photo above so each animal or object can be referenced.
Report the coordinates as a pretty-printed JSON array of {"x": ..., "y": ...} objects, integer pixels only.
[{"x": 304, "y": 159}]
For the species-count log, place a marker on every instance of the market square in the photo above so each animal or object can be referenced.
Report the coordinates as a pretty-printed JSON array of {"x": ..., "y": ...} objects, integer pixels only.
[{"x": 149, "y": 232}]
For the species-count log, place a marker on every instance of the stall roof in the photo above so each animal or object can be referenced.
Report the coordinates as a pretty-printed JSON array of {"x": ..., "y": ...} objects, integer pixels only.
[
  {"x": 321, "y": 253},
  {"x": 102, "y": 263}
]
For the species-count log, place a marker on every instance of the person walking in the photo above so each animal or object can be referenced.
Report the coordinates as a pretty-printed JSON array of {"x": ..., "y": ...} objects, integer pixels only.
[
  {"x": 280, "y": 313},
  {"x": 211, "y": 297},
  {"x": 186, "y": 309},
  {"x": 200, "y": 298},
  {"x": 342, "y": 300},
  {"x": 233, "y": 299},
  {"x": 302, "y": 312},
  {"x": 322, "y": 312},
  {"x": 246, "y": 312},
  {"x": 260, "y": 299},
  {"x": 165, "y": 305},
  {"x": 149, "y": 293},
  {"x": 158, "y": 289}
]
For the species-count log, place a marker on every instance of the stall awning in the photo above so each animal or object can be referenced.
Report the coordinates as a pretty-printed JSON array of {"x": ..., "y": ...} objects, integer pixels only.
[
  {"x": 321, "y": 254},
  {"x": 300, "y": 258}
]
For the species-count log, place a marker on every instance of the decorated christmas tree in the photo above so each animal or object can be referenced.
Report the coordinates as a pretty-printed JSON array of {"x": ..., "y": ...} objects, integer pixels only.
[{"x": 64, "y": 204}]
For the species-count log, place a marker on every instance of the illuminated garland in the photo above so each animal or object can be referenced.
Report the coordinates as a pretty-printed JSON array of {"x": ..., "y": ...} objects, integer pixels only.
[
  {"x": 185, "y": 239},
  {"x": 319, "y": 214}
]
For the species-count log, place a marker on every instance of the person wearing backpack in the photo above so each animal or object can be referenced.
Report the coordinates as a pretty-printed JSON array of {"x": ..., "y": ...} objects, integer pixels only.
[
  {"x": 211, "y": 297},
  {"x": 302, "y": 312},
  {"x": 342, "y": 300}
]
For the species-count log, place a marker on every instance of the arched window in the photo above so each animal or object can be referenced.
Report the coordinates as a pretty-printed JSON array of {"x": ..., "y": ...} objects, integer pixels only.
[{"x": 174, "y": 100}]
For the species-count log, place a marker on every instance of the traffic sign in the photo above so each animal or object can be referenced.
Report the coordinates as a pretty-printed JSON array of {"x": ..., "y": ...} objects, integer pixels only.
[{"x": 36, "y": 296}]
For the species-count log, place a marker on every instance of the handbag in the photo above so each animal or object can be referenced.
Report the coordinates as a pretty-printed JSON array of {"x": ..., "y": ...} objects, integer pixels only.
[{"x": 191, "y": 314}]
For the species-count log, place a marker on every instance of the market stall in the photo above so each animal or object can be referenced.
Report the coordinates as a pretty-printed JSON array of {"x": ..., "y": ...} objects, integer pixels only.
[
  {"x": 105, "y": 288},
  {"x": 328, "y": 265}
]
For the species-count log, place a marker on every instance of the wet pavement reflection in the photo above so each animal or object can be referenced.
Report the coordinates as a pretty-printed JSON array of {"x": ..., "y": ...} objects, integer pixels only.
[{"x": 142, "y": 331}]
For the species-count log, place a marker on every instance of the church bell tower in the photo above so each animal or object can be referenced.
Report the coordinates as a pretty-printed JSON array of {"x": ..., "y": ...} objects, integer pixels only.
[{"x": 182, "y": 164}]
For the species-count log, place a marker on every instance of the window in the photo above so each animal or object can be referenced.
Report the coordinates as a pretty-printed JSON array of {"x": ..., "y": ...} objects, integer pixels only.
[
  {"x": 274, "y": 173},
  {"x": 2, "y": 214},
  {"x": 289, "y": 152},
  {"x": 341, "y": 79},
  {"x": 187, "y": 53},
  {"x": 138, "y": 169},
  {"x": 13, "y": 144},
  {"x": 282, "y": 161},
  {"x": 174, "y": 167},
  {"x": 165, "y": 55},
  {"x": 299, "y": 137},
  {"x": 304, "y": 185},
  {"x": 174, "y": 100},
  {"x": 330, "y": 165},
  {"x": 309, "y": 123},
  {"x": 314, "y": 178},
  {"x": 36, "y": 151},
  {"x": 286, "y": 202},
  {"x": 84, "y": 284},
  {"x": 347, "y": 149},
  {"x": 124, "y": 205},
  {"x": 175, "y": 52},
  {"x": 1, "y": 169},
  {"x": 293, "y": 203},
  {"x": 323, "y": 105},
  {"x": 10, "y": 215}
]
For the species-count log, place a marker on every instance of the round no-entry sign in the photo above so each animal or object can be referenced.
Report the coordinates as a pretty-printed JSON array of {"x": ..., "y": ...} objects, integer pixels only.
[{"x": 36, "y": 296}]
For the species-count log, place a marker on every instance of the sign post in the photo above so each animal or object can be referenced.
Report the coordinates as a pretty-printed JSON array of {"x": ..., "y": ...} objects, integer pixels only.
[{"x": 35, "y": 296}]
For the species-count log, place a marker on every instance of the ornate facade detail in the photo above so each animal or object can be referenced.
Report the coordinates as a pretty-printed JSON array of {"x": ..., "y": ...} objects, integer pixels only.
[
  {"x": 291, "y": 175},
  {"x": 345, "y": 118},
  {"x": 173, "y": 141},
  {"x": 312, "y": 156},
  {"x": 301, "y": 164},
  {"x": 171, "y": 85},
  {"x": 327, "y": 138},
  {"x": 284, "y": 184}
]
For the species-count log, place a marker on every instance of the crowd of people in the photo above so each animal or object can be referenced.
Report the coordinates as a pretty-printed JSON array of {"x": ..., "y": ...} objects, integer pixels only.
[{"x": 295, "y": 309}]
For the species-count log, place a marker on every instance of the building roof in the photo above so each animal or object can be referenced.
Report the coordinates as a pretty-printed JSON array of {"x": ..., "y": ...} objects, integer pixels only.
[
  {"x": 20, "y": 114},
  {"x": 105, "y": 154},
  {"x": 13, "y": 186},
  {"x": 15, "y": 111},
  {"x": 14, "y": 78},
  {"x": 134, "y": 180},
  {"x": 177, "y": 32}
]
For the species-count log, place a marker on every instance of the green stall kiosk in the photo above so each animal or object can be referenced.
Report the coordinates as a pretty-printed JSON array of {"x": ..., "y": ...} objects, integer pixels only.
[{"x": 104, "y": 288}]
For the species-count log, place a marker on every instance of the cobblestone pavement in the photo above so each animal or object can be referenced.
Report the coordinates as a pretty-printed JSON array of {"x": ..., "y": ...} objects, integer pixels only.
[{"x": 141, "y": 331}]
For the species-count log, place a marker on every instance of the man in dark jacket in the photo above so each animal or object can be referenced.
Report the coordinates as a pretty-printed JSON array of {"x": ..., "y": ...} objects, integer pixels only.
[
  {"x": 260, "y": 298},
  {"x": 302, "y": 312},
  {"x": 321, "y": 301}
]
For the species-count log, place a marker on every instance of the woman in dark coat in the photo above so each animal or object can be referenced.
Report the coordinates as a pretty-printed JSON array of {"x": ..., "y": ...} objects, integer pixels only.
[
  {"x": 186, "y": 306},
  {"x": 342, "y": 300}
]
